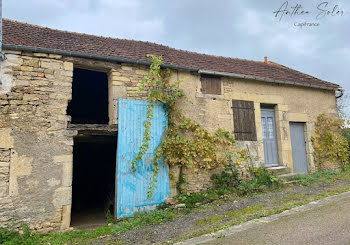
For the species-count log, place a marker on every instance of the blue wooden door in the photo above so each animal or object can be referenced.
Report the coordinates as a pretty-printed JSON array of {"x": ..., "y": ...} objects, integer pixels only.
[
  {"x": 298, "y": 147},
  {"x": 269, "y": 136},
  {"x": 132, "y": 187}
]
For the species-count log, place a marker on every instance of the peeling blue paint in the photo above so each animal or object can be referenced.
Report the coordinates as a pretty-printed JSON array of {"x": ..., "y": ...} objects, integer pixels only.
[{"x": 132, "y": 187}]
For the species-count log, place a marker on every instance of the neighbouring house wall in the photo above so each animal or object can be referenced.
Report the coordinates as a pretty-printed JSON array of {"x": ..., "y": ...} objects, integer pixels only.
[{"x": 35, "y": 147}]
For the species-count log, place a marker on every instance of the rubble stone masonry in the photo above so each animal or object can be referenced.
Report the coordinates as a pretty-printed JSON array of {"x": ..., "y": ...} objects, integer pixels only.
[{"x": 36, "y": 148}]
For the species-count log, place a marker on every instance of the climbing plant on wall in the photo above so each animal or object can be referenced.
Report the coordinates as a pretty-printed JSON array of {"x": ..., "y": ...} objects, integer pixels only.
[
  {"x": 185, "y": 143},
  {"x": 328, "y": 142}
]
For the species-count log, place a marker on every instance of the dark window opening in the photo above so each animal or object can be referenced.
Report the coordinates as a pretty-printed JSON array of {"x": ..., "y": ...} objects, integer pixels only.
[
  {"x": 244, "y": 120},
  {"x": 210, "y": 84},
  {"x": 89, "y": 103},
  {"x": 94, "y": 166}
]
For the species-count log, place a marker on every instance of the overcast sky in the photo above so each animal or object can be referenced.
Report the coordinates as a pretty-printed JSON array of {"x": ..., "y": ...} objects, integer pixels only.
[{"x": 240, "y": 29}]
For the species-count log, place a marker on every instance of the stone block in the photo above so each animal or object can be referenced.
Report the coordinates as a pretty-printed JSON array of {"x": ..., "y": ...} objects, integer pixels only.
[
  {"x": 55, "y": 56},
  {"x": 6, "y": 140},
  {"x": 67, "y": 174},
  {"x": 4, "y": 169},
  {"x": 51, "y": 65},
  {"x": 31, "y": 63},
  {"x": 53, "y": 182},
  {"x": 26, "y": 68},
  {"x": 120, "y": 78},
  {"x": 40, "y": 55},
  {"x": 126, "y": 68},
  {"x": 65, "y": 73},
  {"x": 4, "y": 189},
  {"x": 117, "y": 83},
  {"x": 114, "y": 73},
  {"x": 62, "y": 197},
  {"x": 66, "y": 215},
  {"x": 21, "y": 82},
  {"x": 15, "y": 52},
  {"x": 297, "y": 117},
  {"x": 68, "y": 66},
  {"x": 20, "y": 166},
  {"x": 141, "y": 72},
  {"x": 63, "y": 159},
  {"x": 28, "y": 97},
  {"x": 4, "y": 156},
  {"x": 14, "y": 59}
]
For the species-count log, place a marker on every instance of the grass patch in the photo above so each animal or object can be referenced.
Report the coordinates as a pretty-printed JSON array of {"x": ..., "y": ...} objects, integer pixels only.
[
  {"x": 274, "y": 205},
  {"x": 210, "y": 220},
  {"x": 322, "y": 176},
  {"x": 245, "y": 211},
  {"x": 13, "y": 237}
]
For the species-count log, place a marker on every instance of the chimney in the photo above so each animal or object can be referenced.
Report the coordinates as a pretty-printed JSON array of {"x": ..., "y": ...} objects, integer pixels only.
[{"x": 265, "y": 58}]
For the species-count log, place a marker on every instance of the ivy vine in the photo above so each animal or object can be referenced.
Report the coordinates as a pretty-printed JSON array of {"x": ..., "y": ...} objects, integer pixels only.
[{"x": 185, "y": 142}]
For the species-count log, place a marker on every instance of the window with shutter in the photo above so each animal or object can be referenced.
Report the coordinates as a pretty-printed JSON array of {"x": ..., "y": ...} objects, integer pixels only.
[
  {"x": 210, "y": 84},
  {"x": 244, "y": 120}
]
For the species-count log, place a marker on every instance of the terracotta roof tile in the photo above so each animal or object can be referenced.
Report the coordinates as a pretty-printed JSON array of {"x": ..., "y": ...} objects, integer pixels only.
[{"x": 18, "y": 33}]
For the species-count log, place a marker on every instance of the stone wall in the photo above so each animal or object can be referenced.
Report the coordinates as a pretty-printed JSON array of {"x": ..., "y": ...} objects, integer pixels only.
[
  {"x": 35, "y": 147},
  {"x": 292, "y": 104}
]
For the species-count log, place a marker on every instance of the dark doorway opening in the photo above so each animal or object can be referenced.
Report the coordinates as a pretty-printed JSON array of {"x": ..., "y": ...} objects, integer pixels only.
[
  {"x": 89, "y": 104},
  {"x": 94, "y": 167}
]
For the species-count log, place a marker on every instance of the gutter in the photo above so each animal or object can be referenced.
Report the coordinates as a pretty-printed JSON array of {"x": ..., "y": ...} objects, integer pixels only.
[
  {"x": 226, "y": 74},
  {"x": 341, "y": 91},
  {"x": 91, "y": 56},
  {"x": 148, "y": 63}
]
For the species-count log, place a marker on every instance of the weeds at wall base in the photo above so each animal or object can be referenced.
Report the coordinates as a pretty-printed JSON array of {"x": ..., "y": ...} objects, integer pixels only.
[{"x": 168, "y": 213}]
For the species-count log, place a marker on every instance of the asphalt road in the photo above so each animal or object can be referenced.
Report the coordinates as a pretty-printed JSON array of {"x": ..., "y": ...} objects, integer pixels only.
[{"x": 327, "y": 224}]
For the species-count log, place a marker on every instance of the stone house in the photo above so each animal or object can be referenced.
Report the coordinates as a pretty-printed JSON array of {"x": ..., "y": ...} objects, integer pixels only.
[{"x": 59, "y": 95}]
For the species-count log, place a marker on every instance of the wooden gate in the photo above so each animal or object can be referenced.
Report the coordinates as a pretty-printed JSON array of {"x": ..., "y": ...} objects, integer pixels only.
[{"x": 132, "y": 187}]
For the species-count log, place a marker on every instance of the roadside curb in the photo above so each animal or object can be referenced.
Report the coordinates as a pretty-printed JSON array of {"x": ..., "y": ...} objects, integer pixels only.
[{"x": 253, "y": 223}]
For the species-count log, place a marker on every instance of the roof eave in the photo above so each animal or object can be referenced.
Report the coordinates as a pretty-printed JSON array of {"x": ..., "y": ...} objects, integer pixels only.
[
  {"x": 226, "y": 74},
  {"x": 147, "y": 63},
  {"x": 90, "y": 56}
]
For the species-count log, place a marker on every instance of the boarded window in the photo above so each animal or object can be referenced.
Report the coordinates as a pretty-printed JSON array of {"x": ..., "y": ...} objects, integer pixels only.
[
  {"x": 244, "y": 120},
  {"x": 210, "y": 84}
]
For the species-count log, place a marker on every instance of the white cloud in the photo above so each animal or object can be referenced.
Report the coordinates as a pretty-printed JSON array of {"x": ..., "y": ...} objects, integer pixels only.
[{"x": 278, "y": 36}]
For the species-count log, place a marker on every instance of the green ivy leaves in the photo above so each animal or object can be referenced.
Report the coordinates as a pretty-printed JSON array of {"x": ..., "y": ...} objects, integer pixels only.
[{"x": 185, "y": 142}]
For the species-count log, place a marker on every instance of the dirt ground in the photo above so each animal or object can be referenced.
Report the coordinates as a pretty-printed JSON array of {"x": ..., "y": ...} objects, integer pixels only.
[{"x": 223, "y": 213}]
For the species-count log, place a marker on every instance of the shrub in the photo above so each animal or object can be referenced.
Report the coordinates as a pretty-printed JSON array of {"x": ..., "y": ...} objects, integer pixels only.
[
  {"x": 330, "y": 146},
  {"x": 228, "y": 178},
  {"x": 262, "y": 179}
]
